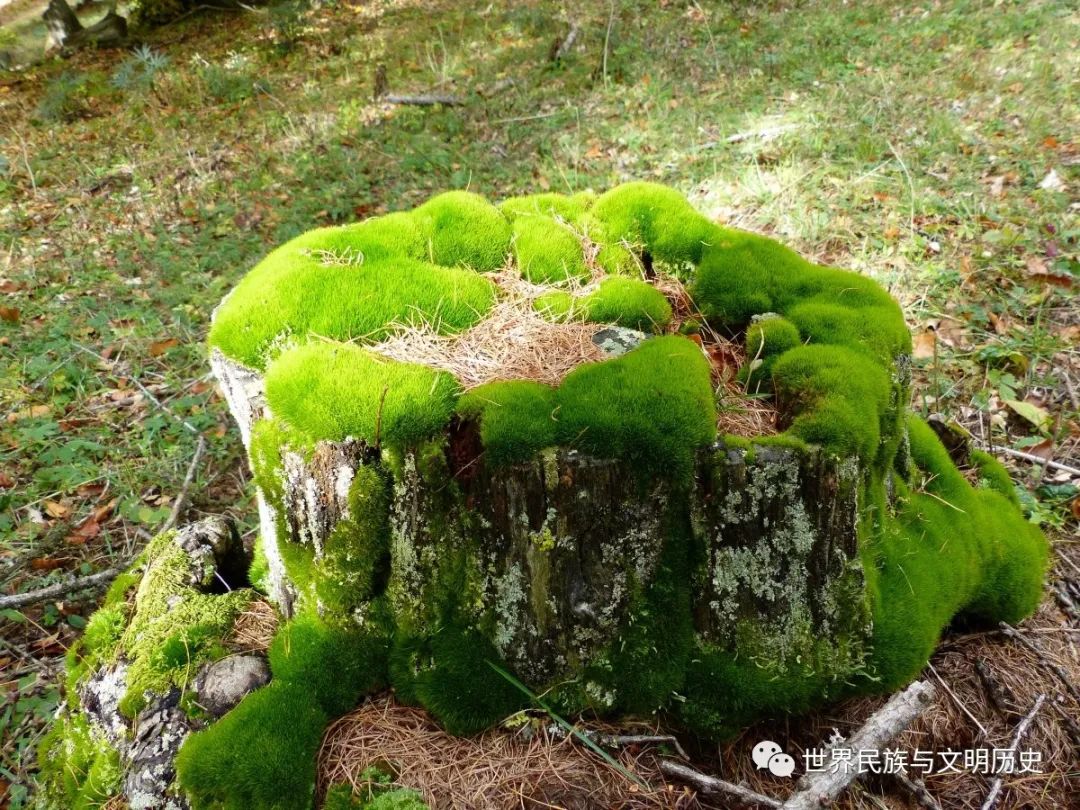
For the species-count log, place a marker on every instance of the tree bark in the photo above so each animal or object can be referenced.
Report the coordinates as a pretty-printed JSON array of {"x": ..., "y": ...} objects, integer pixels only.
[{"x": 556, "y": 548}]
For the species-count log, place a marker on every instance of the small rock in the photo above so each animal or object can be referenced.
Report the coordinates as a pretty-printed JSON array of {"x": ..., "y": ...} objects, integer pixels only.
[
  {"x": 222, "y": 684},
  {"x": 617, "y": 340}
]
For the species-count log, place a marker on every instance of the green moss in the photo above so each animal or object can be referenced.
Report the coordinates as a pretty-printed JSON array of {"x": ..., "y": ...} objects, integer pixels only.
[
  {"x": 654, "y": 218},
  {"x": 569, "y": 209},
  {"x": 332, "y": 391},
  {"x": 297, "y": 291},
  {"x": 548, "y": 251},
  {"x": 628, "y": 302},
  {"x": 174, "y": 627},
  {"x": 337, "y": 665},
  {"x": 950, "y": 550},
  {"x": 462, "y": 228},
  {"x": 340, "y": 797},
  {"x": 355, "y": 557},
  {"x": 651, "y": 407},
  {"x": 517, "y": 419},
  {"x": 78, "y": 769},
  {"x": 556, "y": 305},
  {"x": 649, "y": 658},
  {"x": 260, "y": 754},
  {"x": 770, "y": 337},
  {"x": 993, "y": 475},
  {"x": 450, "y": 674},
  {"x": 836, "y": 397},
  {"x": 259, "y": 570}
]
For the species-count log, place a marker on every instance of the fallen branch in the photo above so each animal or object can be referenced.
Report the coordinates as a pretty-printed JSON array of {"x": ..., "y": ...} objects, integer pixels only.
[
  {"x": 884, "y": 725},
  {"x": 20, "y": 600},
  {"x": 620, "y": 740},
  {"x": 181, "y": 500},
  {"x": 1072, "y": 728},
  {"x": 999, "y": 696},
  {"x": 1057, "y": 465},
  {"x": 1021, "y": 732},
  {"x": 429, "y": 100},
  {"x": 710, "y": 784},
  {"x": 1063, "y": 676}
]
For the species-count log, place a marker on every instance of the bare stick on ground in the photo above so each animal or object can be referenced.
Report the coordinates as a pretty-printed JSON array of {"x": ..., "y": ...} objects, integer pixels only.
[
  {"x": 1044, "y": 659},
  {"x": 1000, "y": 697},
  {"x": 882, "y": 727},
  {"x": 19, "y": 600},
  {"x": 180, "y": 504},
  {"x": 424, "y": 100},
  {"x": 1018, "y": 736},
  {"x": 710, "y": 785}
]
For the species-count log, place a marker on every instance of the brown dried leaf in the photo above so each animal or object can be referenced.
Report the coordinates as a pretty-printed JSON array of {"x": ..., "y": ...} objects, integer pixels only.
[
  {"x": 10, "y": 314},
  {"x": 924, "y": 344},
  {"x": 55, "y": 509},
  {"x": 159, "y": 347},
  {"x": 87, "y": 531}
]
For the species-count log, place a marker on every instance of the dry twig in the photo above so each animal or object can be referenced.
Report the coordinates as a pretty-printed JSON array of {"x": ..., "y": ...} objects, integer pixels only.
[{"x": 1021, "y": 731}]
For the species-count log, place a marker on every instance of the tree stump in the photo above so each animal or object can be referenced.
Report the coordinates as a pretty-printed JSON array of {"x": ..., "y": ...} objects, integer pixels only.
[
  {"x": 580, "y": 516},
  {"x": 595, "y": 448}
]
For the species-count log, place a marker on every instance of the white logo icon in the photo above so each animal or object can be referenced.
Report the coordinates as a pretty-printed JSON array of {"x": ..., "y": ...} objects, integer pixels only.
[{"x": 768, "y": 754}]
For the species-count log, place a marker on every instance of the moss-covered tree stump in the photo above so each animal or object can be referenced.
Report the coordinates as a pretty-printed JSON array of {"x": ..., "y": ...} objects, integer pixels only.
[
  {"x": 598, "y": 446},
  {"x": 578, "y": 519}
]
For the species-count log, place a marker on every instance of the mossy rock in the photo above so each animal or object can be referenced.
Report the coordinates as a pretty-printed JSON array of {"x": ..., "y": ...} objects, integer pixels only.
[{"x": 592, "y": 532}]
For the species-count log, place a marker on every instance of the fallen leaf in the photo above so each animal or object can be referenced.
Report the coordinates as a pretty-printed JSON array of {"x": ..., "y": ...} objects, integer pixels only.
[
  {"x": 87, "y": 531},
  {"x": 1032, "y": 413},
  {"x": 6, "y": 481},
  {"x": 55, "y": 509},
  {"x": 924, "y": 345},
  {"x": 1044, "y": 450},
  {"x": 103, "y": 513},
  {"x": 1000, "y": 323},
  {"x": 45, "y": 563},
  {"x": 159, "y": 347},
  {"x": 9, "y": 314},
  {"x": 1035, "y": 268},
  {"x": 1075, "y": 507}
]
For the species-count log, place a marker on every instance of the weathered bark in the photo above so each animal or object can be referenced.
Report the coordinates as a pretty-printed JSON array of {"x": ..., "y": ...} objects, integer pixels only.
[{"x": 556, "y": 548}]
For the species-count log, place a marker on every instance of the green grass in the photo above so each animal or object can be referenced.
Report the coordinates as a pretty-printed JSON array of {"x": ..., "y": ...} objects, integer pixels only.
[{"x": 908, "y": 146}]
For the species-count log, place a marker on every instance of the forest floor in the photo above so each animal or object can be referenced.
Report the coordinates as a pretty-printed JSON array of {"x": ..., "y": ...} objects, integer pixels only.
[{"x": 932, "y": 147}]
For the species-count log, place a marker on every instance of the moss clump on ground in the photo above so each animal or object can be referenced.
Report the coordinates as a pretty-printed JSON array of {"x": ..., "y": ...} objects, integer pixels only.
[
  {"x": 340, "y": 797},
  {"x": 449, "y": 673},
  {"x": 262, "y": 753}
]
